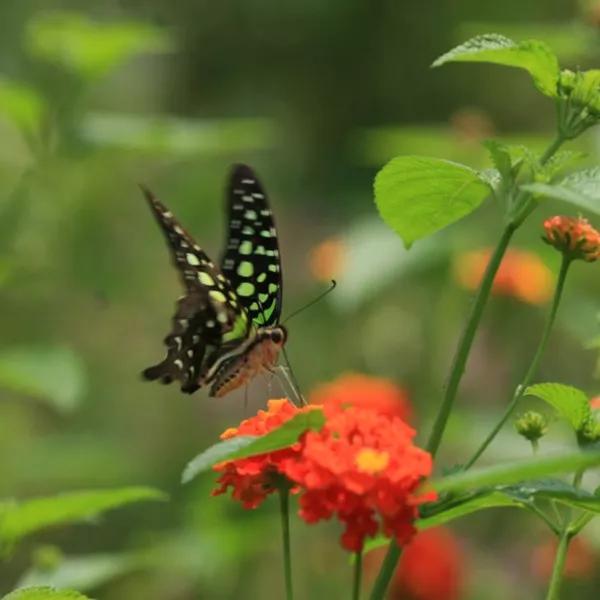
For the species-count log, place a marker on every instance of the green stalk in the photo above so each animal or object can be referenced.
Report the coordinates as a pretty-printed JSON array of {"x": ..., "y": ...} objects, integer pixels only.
[
  {"x": 466, "y": 340},
  {"x": 559, "y": 565},
  {"x": 387, "y": 571},
  {"x": 284, "y": 509},
  {"x": 520, "y": 391},
  {"x": 459, "y": 363},
  {"x": 357, "y": 575}
]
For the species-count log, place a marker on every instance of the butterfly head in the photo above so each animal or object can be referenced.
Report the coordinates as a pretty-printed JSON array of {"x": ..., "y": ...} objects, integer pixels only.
[{"x": 276, "y": 335}]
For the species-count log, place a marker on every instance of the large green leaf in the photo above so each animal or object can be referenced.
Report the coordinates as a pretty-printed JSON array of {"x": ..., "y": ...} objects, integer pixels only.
[
  {"x": 521, "y": 470},
  {"x": 18, "y": 519},
  {"x": 569, "y": 402},
  {"x": 417, "y": 196},
  {"x": 581, "y": 189},
  {"x": 245, "y": 446},
  {"x": 53, "y": 374},
  {"x": 44, "y": 593},
  {"x": 90, "y": 48},
  {"x": 532, "y": 55}
]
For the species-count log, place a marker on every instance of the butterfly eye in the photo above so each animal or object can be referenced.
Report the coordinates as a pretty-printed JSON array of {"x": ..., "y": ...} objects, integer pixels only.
[{"x": 278, "y": 336}]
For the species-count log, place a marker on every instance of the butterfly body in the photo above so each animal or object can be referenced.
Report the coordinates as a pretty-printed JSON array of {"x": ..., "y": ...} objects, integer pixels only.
[{"x": 226, "y": 327}]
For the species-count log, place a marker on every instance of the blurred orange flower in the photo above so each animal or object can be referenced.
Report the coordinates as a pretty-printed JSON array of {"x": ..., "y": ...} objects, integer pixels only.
[
  {"x": 595, "y": 403},
  {"x": 376, "y": 393},
  {"x": 433, "y": 567},
  {"x": 327, "y": 260},
  {"x": 522, "y": 274},
  {"x": 573, "y": 236},
  {"x": 580, "y": 564}
]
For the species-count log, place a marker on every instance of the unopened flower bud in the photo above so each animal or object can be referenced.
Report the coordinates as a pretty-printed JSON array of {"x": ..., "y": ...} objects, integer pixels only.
[
  {"x": 532, "y": 425},
  {"x": 589, "y": 432},
  {"x": 575, "y": 237}
]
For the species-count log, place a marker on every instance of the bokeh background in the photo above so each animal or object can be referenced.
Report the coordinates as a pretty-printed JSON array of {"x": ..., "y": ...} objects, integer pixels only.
[{"x": 317, "y": 96}]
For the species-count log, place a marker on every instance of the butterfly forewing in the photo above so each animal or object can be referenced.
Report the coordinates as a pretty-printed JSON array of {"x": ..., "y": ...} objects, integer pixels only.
[
  {"x": 251, "y": 260},
  {"x": 207, "y": 316}
]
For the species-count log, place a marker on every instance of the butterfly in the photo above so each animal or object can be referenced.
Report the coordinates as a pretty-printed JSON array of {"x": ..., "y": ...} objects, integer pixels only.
[{"x": 226, "y": 326}]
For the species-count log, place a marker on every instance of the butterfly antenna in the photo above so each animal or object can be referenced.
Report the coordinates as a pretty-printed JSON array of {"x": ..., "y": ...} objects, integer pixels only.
[
  {"x": 322, "y": 295},
  {"x": 291, "y": 378}
]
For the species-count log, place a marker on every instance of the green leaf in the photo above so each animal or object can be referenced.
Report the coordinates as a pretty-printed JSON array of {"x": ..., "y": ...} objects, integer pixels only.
[
  {"x": 482, "y": 501},
  {"x": 53, "y": 374},
  {"x": 571, "y": 403},
  {"x": 505, "y": 474},
  {"x": 417, "y": 196},
  {"x": 18, "y": 519},
  {"x": 44, "y": 593},
  {"x": 532, "y": 55},
  {"x": 501, "y": 158},
  {"x": 90, "y": 49},
  {"x": 493, "y": 499},
  {"x": 84, "y": 572},
  {"x": 581, "y": 188},
  {"x": 21, "y": 104},
  {"x": 245, "y": 446}
]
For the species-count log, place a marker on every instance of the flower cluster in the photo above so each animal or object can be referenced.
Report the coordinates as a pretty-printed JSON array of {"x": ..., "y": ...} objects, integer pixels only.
[
  {"x": 575, "y": 237},
  {"x": 521, "y": 275},
  {"x": 361, "y": 467},
  {"x": 255, "y": 477}
]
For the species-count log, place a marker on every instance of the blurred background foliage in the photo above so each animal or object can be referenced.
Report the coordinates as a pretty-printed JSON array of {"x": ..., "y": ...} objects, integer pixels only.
[{"x": 96, "y": 97}]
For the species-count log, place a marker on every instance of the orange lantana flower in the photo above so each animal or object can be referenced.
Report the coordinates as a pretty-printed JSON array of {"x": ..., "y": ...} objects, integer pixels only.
[
  {"x": 522, "y": 274},
  {"x": 363, "y": 468},
  {"x": 595, "y": 403},
  {"x": 573, "y": 236},
  {"x": 255, "y": 477},
  {"x": 376, "y": 393}
]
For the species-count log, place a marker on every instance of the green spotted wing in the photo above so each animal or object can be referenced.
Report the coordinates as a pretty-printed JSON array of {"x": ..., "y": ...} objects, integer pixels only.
[
  {"x": 209, "y": 316},
  {"x": 251, "y": 260}
]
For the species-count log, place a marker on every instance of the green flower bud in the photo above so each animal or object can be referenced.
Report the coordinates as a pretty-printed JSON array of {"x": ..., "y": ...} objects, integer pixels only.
[
  {"x": 532, "y": 425},
  {"x": 589, "y": 432}
]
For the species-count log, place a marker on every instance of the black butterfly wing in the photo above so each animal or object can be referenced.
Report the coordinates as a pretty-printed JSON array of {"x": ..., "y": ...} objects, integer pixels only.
[
  {"x": 207, "y": 316},
  {"x": 251, "y": 260}
]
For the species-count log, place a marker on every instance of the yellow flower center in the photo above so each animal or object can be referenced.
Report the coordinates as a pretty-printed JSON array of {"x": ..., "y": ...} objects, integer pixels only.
[{"x": 371, "y": 461}]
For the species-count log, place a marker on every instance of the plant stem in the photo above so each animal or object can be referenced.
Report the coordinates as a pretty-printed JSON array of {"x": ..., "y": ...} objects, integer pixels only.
[
  {"x": 522, "y": 387},
  {"x": 458, "y": 367},
  {"x": 387, "y": 571},
  {"x": 466, "y": 340},
  {"x": 357, "y": 575},
  {"x": 559, "y": 564},
  {"x": 284, "y": 501}
]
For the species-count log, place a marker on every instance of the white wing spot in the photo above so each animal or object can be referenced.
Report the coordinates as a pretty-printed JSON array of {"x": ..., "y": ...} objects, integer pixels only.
[
  {"x": 258, "y": 195},
  {"x": 247, "y": 199},
  {"x": 262, "y": 277},
  {"x": 217, "y": 296},
  {"x": 222, "y": 317},
  {"x": 178, "y": 363},
  {"x": 248, "y": 181},
  {"x": 178, "y": 230},
  {"x": 273, "y": 268},
  {"x": 265, "y": 212},
  {"x": 192, "y": 259},
  {"x": 245, "y": 247},
  {"x": 190, "y": 353},
  {"x": 210, "y": 323},
  {"x": 250, "y": 215}
]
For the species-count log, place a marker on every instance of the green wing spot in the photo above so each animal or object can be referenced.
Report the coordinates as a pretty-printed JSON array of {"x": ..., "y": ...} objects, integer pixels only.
[
  {"x": 245, "y": 269},
  {"x": 238, "y": 331},
  {"x": 245, "y": 289}
]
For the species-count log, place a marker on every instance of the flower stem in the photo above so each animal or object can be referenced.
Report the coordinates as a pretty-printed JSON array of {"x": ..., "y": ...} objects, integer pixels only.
[
  {"x": 387, "y": 571},
  {"x": 458, "y": 367},
  {"x": 466, "y": 340},
  {"x": 357, "y": 575},
  {"x": 559, "y": 564},
  {"x": 284, "y": 509},
  {"x": 522, "y": 387}
]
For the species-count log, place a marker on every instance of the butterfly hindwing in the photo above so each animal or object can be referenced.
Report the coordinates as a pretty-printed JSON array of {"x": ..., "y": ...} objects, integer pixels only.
[
  {"x": 207, "y": 316},
  {"x": 251, "y": 260}
]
